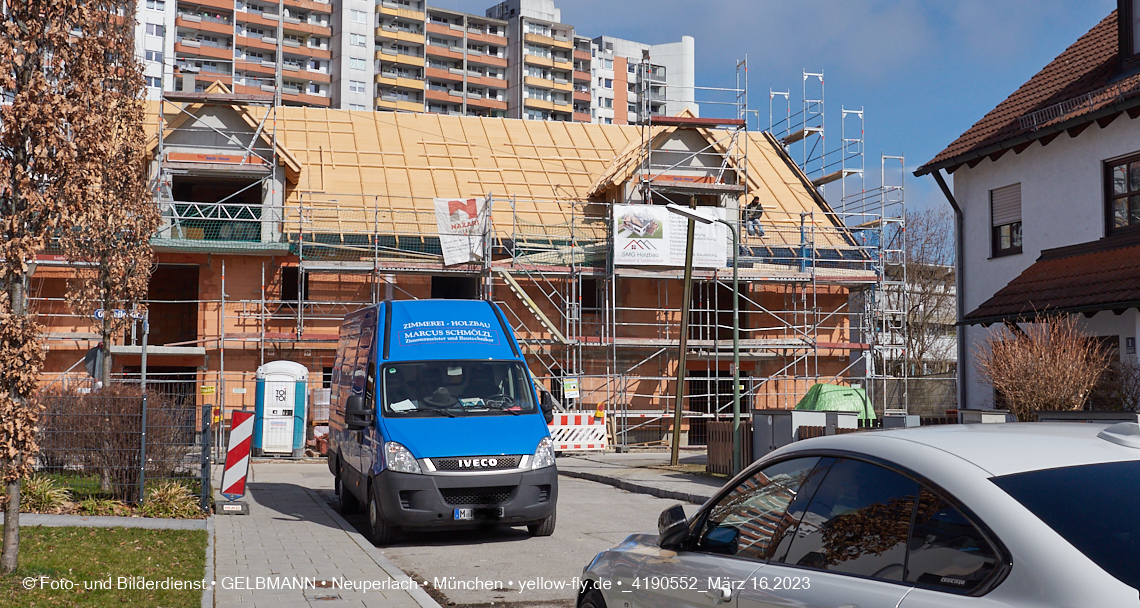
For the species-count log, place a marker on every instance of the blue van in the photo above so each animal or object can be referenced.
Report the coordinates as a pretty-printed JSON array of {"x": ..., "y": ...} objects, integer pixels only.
[{"x": 435, "y": 423}]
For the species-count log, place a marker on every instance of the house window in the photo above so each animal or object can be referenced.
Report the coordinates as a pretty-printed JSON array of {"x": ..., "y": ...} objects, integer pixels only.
[
  {"x": 357, "y": 40},
  {"x": 1124, "y": 193},
  {"x": 357, "y": 63},
  {"x": 359, "y": 16},
  {"x": 155, "y": 56},
  {"x": 1005, "y": 215},
  {"x": 156, "y": 5},
  {"x": 155, "y": 29},
  {"x": 356, "y": 86},
  {"x": 357, "y": 107},
  {"x": 154, "y": 81}
]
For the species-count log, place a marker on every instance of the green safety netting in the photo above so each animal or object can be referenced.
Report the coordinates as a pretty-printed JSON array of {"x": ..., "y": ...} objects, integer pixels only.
[{"x": 835, "y": 398}]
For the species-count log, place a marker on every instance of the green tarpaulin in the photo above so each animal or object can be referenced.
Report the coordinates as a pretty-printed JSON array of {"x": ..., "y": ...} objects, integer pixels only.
[{"x": 834, "y": 398}]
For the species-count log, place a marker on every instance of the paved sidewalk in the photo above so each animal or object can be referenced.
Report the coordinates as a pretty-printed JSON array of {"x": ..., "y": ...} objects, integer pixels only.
[
  {"x": 646, "y": 473},
  {"x": 94, "y": 521},
  {"x": 292, "y": 532}
]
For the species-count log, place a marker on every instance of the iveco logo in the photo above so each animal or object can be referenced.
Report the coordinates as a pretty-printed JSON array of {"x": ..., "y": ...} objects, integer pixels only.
[{"x": 478, "y": 463}]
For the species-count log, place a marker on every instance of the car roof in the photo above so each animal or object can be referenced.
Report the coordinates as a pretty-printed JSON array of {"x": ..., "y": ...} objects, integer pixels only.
[{"x": 999, "y": 449}]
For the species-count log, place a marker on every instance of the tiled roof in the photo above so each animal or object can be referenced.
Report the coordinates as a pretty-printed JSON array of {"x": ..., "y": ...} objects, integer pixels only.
[
  {"x": 1101, "y": 275},
  {"x": 1087, "y": 66}
]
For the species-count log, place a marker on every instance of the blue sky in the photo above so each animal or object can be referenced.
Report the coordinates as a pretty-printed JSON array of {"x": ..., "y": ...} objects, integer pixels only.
[{"x": 923, "y": 71}]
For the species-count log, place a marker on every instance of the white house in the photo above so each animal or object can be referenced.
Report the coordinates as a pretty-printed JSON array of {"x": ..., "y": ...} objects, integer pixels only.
[{"x": 1047, "y": 198}]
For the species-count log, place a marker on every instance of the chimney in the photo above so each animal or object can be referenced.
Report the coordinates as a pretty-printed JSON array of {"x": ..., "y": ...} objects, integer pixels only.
[{"x": 187, "y": 83}]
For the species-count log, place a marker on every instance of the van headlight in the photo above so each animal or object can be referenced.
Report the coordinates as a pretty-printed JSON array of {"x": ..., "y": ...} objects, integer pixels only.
[
  {"x": 400, "y": 459},
  {"x": 544, "y": 455}
]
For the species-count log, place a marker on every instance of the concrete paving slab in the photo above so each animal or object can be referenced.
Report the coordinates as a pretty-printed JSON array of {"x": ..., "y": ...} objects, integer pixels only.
[{"x": 95, "y": 521}]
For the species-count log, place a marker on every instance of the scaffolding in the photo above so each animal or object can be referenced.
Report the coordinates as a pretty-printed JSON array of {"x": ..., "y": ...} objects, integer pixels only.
[{"x": 817, "y": 294}]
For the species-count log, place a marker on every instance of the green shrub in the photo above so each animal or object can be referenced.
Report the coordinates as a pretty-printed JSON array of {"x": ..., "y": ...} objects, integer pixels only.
[
  {"x": 171, "y": 499},
  {"x": 42, "y": 495},
  {"x": 101, "y": 506}
]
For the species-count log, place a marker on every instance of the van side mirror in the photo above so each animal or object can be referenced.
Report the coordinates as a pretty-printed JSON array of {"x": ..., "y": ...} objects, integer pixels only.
[
  {"x": 547, "y": 404},
  {"x": 356, "y": 415},
  {"x": 672, "y": 527}
]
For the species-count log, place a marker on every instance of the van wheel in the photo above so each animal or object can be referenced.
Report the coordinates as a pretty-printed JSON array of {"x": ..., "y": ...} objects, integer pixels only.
[
  {"x": 348, "y": 502},
  {"x": 544, "y": 527},
  {"x": 379, "y": 533}
]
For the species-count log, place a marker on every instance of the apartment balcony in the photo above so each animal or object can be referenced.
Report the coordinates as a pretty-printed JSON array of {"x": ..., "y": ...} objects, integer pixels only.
[
  {"x": 539, "y": 39},
  {"x": 444, "y": 52},
  {"x": 266, "y": 68},
  {"x": 486, "y": 81},
  {"x": 565, "y": 62},
  {"x": 392, "y": 9},
  {"x": 306, "y": 28},
  {"x": 391, "y": 33},
  {"x": 188, "y": 47},
  {"x": 441, "y": 96},
  {"x": 251, "y": 42},
  {"x": 582, "y": 117},
  {"x": 484, "y": 102},
  {"x": 545, "y": 62},
  {"x": 399, "y": 105},
  {"x": 538, "y": 82},
  {"x": 581, "y": 76},
  {"x": 393, "y": 56},
  {"x": 487, "y": 38},
  {"x": 487, "y": 60},
  {"x": 200, "y": 24},
  {"x": 304, "y": 98},
  {"x": 562, "y": 42},
  {"x": 445, "y": 30},
  {"x": 564, "y": 85},
  {"x": 583, "y": 55},
  {"x": 311, "y": 5},
  {"x": 452, "y": 75},
  {"x": 256, "y": 19},
  {"x": 582, "y": 96},
  {"x": 226, "y": 6},
  {"x": 538, "y": 104}
]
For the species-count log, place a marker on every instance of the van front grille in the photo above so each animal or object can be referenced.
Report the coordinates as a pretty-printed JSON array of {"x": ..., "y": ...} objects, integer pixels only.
[
  {"x": 476, "y": 496},
  {"x": 476, "y": 463}
]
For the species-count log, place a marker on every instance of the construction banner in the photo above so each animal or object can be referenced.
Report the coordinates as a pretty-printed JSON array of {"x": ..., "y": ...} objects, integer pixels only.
[
  {"x": 649, "y": 235},
  {"x": 462, "y": 225}
]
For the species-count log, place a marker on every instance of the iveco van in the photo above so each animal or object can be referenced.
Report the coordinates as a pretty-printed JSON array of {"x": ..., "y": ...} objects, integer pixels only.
[{"x": 435, "y": 421}]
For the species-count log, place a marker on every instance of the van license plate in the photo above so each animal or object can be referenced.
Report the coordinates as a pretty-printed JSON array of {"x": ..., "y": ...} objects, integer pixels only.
[{"x": 470, "y": 514}]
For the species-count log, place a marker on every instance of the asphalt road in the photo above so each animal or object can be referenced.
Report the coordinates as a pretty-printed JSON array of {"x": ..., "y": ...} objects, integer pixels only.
[{"x": 510, "y": 568}]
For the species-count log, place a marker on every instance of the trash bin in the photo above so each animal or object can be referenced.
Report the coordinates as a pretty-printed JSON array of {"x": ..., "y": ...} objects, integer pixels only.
[{"x": 279, "y": 413}]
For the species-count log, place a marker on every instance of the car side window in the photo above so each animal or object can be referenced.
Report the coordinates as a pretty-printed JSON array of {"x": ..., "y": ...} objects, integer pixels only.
[
  {"x": 857, "y": 522},
  {"x": 743, "y": 522},
  {"x": 947, "y": 552}
]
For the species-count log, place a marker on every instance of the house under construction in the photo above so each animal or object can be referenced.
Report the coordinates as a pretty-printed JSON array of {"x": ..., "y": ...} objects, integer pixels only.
[{"x": 277, "y": 221}]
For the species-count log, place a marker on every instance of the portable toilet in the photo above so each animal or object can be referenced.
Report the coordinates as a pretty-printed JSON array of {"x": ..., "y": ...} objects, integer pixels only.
[{"x": 279, "y": 413}]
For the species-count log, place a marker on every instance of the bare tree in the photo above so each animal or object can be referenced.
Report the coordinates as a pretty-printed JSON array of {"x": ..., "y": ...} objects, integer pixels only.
[
  {"x": 56, "y": 61},
  {"x": 930, "y": 305},
  {"x": 1049, "y": 365},
  {"x": 116, "y": 224}
]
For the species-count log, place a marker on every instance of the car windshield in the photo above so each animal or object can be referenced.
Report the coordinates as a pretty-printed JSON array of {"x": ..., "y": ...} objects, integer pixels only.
[
  {"x": 456, "y": 388},
  {"x": 1092, "y": 507}
]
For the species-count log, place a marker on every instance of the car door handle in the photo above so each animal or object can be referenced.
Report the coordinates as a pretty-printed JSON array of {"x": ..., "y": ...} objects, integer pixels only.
[{"x": 720, "y": 594}]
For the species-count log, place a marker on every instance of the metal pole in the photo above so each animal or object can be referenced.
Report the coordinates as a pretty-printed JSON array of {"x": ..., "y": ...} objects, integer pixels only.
[
  {"x": 142, "y": 441},
  {"x": 675, "y": 447},
  {"x": 205, "y": 498},
  {"x": 736, "y": 440},
  {"x": 222, "y": 365}
]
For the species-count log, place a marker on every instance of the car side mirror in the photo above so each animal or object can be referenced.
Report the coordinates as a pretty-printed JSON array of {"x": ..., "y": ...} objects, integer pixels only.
[
  {"x": 357, "y": 416},
  {"x": 672, "y": 527}
]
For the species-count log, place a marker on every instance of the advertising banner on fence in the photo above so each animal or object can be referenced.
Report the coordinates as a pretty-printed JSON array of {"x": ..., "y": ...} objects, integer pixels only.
[
  {"x": 649, "y": 235},
  {"x": 462, "y": 223}
]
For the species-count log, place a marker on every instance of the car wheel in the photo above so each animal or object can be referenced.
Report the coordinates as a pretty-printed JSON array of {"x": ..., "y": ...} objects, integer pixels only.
[
  {"x": 592, "y": 599},
  {"x": 379, "y": 533},
  {"x": 544, "y": 527},
  {"x": 348, "y": 502}
]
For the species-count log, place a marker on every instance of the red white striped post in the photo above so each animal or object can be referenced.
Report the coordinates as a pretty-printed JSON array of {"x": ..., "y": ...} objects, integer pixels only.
[{"x": 237, "y": 460}]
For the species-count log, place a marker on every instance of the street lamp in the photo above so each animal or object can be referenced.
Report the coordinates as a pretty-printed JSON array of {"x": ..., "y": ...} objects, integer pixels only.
[{"x": 694, "y": 215}]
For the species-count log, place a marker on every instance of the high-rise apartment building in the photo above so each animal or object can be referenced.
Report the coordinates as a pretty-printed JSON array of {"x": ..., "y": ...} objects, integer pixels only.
[{"x": 518, "y": 60}]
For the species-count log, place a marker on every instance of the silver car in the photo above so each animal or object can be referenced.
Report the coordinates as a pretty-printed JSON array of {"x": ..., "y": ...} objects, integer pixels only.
[{"x": 985, "y": 515}]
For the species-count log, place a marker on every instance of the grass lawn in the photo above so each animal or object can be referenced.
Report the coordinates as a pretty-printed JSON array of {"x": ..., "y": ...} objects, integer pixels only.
[{"x": 95, "y": 558}]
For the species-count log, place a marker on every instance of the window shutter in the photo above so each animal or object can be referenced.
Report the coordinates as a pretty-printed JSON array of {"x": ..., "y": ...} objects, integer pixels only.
[{"x": 1005, "y": 205}]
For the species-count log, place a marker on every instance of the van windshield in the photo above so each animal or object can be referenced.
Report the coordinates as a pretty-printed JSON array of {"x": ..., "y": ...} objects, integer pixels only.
[{"x": 456, "y": 388}]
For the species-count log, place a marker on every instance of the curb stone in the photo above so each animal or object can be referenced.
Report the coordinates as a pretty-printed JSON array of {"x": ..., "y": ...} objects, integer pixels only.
[
  {"x": 208, "y": 576},
  {"x": 417, "y": 593},
  {"x": 638, "y": 488}
]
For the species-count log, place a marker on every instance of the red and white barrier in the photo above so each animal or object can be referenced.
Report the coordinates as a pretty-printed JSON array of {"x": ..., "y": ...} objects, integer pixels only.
[
  {"x": 237, "y": 457},
  {"x": 576, "y": 432}
]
